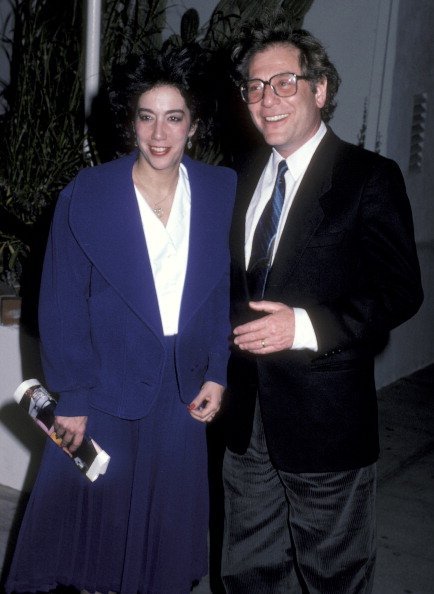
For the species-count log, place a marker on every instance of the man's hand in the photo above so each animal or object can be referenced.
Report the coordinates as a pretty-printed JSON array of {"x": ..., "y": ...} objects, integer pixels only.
[
  {"x": 207, "y": 403},
  {"x": 71, "y": 431},
  {"x": 269, "y": 334}
]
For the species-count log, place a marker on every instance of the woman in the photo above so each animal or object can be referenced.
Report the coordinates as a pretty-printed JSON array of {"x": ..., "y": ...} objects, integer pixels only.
[{"x": 134, "y": 329}]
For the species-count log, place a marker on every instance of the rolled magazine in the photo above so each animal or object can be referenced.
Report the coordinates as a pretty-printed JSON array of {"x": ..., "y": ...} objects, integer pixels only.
[{"x": 89, "y": 458}]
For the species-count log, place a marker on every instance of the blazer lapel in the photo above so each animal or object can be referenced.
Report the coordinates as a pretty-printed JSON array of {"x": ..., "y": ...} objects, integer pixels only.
[
  {"x": 248, "y": 179},
  {"x": 106, "y": 221},
  {"x": 203, "y": 268},
  {"x": 307, "y": 211}
]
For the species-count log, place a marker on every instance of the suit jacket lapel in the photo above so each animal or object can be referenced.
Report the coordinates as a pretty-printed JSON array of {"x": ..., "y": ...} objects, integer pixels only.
[
  {"x": 106, "y": 221},
  {"x": 248, "y": 179},
  {"x": 307, "y": 211}
]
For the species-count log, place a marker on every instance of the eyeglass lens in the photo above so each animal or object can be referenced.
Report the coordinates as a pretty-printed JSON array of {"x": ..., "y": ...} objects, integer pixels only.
[{"x": 284, "y": 85}]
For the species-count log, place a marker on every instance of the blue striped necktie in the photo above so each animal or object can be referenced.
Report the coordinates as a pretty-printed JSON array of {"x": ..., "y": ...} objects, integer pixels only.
[{"x": 264, "y": 237}]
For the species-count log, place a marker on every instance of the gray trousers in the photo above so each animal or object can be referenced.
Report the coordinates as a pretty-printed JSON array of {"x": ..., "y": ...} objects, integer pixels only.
[{"x": 296, "y": 533}]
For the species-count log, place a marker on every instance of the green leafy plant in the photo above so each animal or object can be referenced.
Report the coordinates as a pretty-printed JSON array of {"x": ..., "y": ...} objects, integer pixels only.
[{"x": 42, "y": 127}]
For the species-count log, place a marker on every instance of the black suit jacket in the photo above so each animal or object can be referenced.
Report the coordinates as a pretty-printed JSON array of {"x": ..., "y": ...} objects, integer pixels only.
[{"x": 347, "y": 255}]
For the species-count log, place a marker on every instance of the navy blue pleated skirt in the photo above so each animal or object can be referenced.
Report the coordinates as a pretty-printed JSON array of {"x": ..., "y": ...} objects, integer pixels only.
[{"x": 141, "y": 527}]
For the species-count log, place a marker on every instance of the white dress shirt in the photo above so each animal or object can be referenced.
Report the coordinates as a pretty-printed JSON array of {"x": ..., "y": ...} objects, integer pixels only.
[
  {"x": 168, "y": 250},
  {"x": 297, "y": 165}
]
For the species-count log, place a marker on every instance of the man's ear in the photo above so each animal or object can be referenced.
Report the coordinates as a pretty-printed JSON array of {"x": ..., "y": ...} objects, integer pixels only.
[{"x": 321, "y": 92}]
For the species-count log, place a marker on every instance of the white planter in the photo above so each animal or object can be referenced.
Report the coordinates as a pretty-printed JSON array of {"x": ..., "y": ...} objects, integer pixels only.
[{"x": 21, "y": 443}]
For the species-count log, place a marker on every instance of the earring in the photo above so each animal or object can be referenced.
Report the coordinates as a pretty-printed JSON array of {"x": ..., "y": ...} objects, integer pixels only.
[{"x": 189, "y": 144}]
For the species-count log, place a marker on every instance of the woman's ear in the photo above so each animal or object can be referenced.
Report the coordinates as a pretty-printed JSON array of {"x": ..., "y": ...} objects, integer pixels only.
[
  {"x": 193, "y": 129},
  {"x": 190, "y": 135}
]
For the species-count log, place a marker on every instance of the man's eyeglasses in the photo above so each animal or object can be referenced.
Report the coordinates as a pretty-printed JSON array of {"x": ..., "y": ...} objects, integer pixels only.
[{"x": 283, "y": 85}]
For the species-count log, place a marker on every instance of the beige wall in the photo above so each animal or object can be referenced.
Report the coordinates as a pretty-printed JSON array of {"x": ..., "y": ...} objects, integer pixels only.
[{"x": 384, "y": 52}]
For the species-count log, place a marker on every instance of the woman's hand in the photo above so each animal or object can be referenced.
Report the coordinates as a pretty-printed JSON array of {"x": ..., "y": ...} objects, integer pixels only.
[
  {"x": 207, "y": 403},
  {"x": 71, "y": 431}
]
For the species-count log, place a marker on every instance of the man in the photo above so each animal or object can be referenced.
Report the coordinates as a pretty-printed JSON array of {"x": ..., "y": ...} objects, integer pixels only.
[{"x": 314, "y": 298}]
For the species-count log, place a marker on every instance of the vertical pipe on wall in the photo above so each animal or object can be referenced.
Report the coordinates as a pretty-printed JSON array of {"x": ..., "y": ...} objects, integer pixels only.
[
  {"x": 92, "y": 61},
  {"x": 381, "y": 74}
]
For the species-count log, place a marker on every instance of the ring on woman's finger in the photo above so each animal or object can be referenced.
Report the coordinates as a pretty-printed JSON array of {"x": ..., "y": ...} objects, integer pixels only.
[{"x": 263, "y": 345}]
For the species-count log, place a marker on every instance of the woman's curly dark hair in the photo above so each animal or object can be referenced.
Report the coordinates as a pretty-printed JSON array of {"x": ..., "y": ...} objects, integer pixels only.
[
  {"x": 182, "y": 68},
  {"x": 273, "y": 30}
]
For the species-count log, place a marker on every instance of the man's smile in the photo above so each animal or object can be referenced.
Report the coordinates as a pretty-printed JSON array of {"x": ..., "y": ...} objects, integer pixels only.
[{"x": 276, "y": 118}]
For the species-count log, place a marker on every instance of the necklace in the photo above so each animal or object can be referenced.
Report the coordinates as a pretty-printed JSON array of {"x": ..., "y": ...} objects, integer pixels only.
[{"x": 157, "y": 207}]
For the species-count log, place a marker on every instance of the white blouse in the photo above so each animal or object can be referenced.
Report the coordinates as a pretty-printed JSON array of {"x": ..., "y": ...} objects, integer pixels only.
[{"x": 168, "y": 250}]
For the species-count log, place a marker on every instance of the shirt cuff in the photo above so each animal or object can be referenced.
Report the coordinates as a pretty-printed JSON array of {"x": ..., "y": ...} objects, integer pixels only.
[{"x": 304, "y": 334}]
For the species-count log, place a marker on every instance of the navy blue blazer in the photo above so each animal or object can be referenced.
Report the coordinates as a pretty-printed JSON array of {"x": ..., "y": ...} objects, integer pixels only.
[{"x": 100, "y": 326}]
